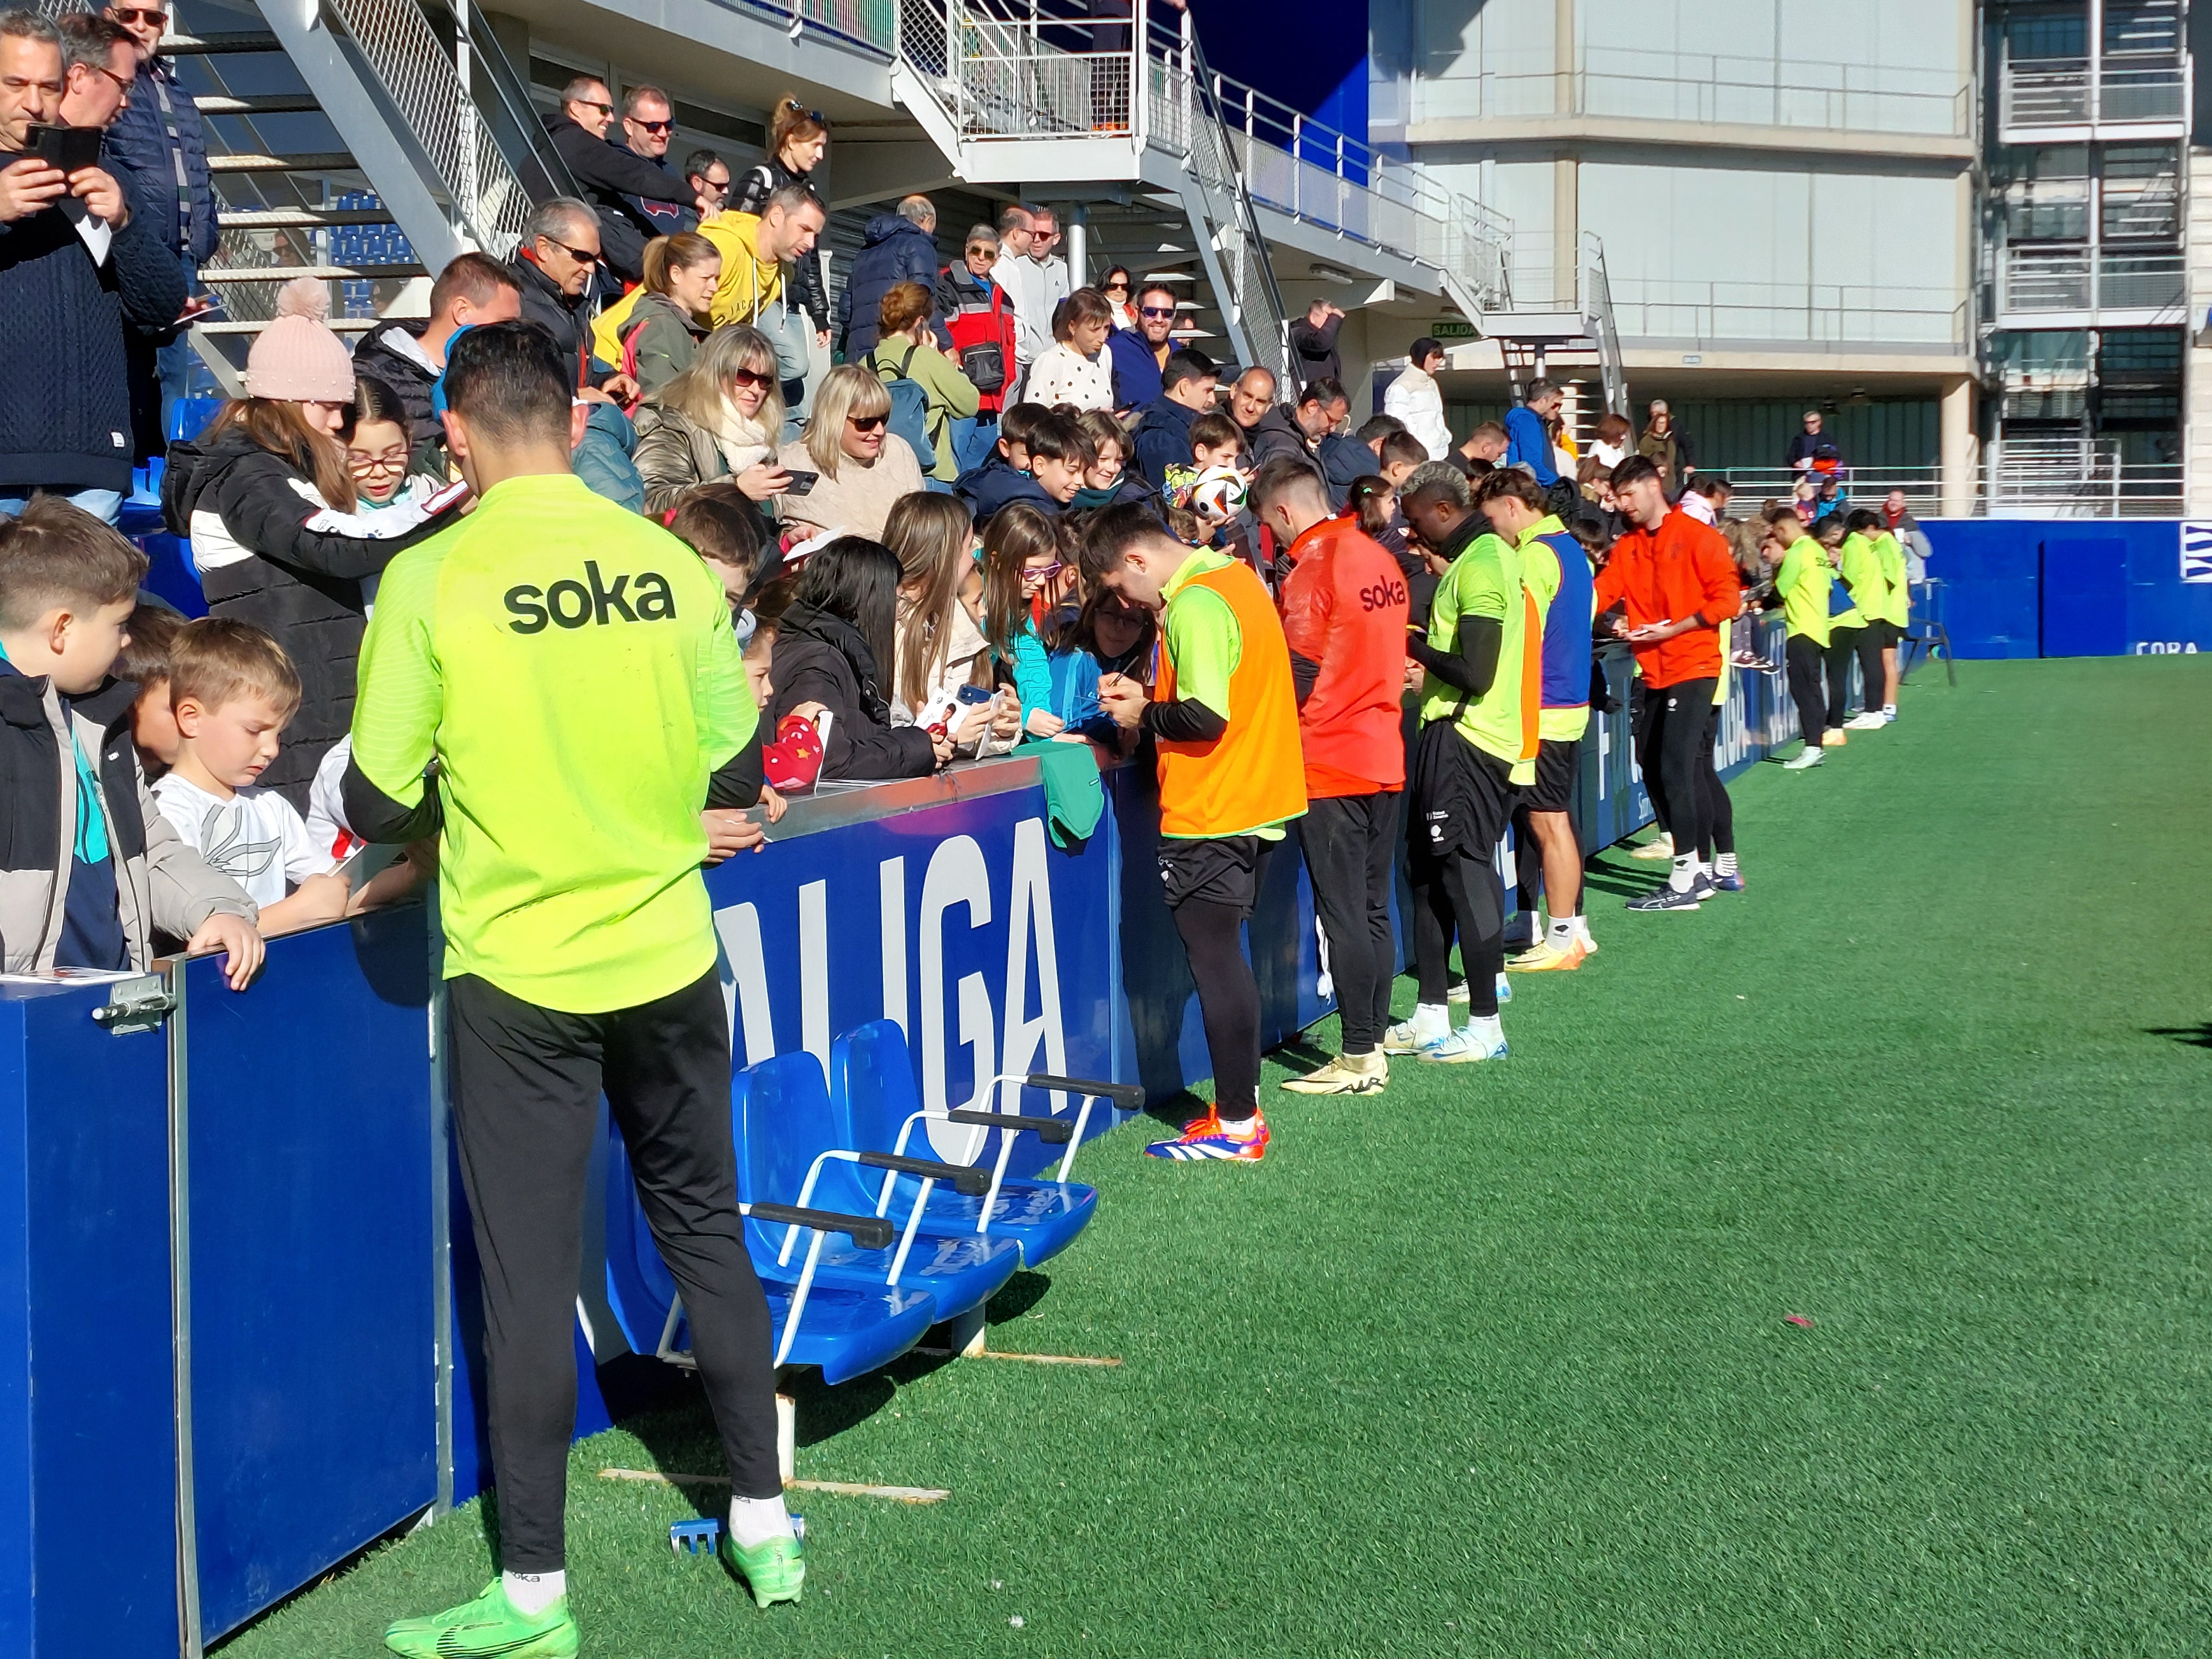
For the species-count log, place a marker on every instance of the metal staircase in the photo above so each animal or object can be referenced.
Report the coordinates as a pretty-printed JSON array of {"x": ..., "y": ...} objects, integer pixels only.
[
  {"x": 1554, "y": 322},
  {"x": 362, "y": 143},
  {"x": 1015, "y": 92}
]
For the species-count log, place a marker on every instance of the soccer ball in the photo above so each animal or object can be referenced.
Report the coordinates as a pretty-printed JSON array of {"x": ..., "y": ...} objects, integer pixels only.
[{"x": 1219, "y": 493}]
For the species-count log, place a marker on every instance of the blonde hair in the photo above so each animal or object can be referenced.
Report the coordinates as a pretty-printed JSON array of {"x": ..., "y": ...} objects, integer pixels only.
[
  {"x": 701, "y": 392},
  {"x": 215, "y": 660},
  {"x": 847, "y": 391}
]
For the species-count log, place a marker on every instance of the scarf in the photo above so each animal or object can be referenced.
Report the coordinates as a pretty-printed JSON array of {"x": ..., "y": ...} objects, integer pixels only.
[{"x": 743, "y": 443}]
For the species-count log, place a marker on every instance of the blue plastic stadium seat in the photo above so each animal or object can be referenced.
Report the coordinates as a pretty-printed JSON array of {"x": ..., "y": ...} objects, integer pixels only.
[
  {"x": 872, "y": 1098},
  {"x": 845, "y": 1331},
  {"x": 785, "y": 1133}
]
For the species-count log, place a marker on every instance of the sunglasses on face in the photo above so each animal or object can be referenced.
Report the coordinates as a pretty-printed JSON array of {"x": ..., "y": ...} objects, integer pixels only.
[
  {"x": 652, "y": 126},
  {"x": 140, "y": 14},
  {"x": 123, "y": 82},
  {"x": 1156, "y": 311},
  {"x": 593, "y": 103},
  {"x": 1117, "y": 287},
  {"x": 751, "y": 377},
  {"x": 867, "y": 422},
  {"x": 1042, "y": 573},
  {"x": 582, "y": 256}
]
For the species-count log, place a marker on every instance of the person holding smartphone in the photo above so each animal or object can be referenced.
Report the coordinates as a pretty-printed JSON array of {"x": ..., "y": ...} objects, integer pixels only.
[{"x": 79, "y": 271}]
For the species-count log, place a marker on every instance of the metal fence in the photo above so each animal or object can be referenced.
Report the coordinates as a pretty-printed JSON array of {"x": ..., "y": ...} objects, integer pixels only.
[
  {"x": 1817, "y": 313},
  {"x": 2032, "y": 477},
  {"x": 2062, "y": 92},
  {"x": 2034, "y": 280}
]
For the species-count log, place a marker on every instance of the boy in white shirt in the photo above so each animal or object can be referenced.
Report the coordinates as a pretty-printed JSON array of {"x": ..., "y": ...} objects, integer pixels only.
[{"x": 232, "y": 689}]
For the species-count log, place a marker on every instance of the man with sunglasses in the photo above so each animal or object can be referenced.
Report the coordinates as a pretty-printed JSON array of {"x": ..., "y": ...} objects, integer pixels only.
[
  {"x": 158, "y": 137},
  {"x": 74, "y": 281},
  {"x": 1140, "y": 355},
  {"x": 557, "y": 264},
  {"x": 610, "y": 174}
]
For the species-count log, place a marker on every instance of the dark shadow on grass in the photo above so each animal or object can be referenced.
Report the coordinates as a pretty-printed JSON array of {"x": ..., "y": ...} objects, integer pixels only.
[
  {"x": 1176, "y": 1109},
  {"x": 1016, "y": 1297},
  {"x": 2197, "y": 1036},
  {"x": 1301, "y": 1056},
  {"x": 1626, "y": 884}
]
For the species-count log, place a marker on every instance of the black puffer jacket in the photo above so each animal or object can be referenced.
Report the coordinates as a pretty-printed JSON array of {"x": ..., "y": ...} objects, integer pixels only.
[
  {"x": 749, "y": 195},
  {"x": 404, "y": 370},
  {"x": 821, "y": 657},
  {"x": 301, "y": 578},
  {"x": 609, "y": 174}
]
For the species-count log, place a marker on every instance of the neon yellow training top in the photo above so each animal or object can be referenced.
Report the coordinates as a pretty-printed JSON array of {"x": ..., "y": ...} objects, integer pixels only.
[
  {"x": 571, "y": 666},
  {"x": 1861, "y": 569},
  {"x": 1803, "y": 579},
  {"x": 1485, "y": 581},
  {"x": 1898, "y": 611}
]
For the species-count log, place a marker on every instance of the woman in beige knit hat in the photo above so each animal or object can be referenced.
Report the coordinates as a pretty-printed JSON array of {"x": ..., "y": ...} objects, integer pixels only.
[{"x": 267, "y": 499}]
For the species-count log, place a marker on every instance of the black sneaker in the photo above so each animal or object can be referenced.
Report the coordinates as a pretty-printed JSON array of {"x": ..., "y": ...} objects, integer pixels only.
[{"x": 1669, "y": 898}]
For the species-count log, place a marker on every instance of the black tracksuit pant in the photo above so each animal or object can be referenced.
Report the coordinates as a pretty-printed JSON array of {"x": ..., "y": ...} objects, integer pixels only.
[
  {"x": 525, "y": 1089},
  {"x": 1803, "y": 657},
  {"x": 1350, "y": 841},
  {"x": 1677, "y": 719},
  {"x": 1844, "y": 644}
]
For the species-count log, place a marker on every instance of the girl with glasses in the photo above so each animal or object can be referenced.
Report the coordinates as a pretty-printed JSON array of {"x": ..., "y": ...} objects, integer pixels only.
[{"x": 1022, "y": 561}]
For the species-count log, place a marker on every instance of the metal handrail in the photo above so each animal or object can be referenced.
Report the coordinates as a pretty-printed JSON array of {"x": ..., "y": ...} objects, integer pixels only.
[
  {"x": 491, "y": 79},
  {"x": 426, "y": 91},
  {"x": 1255, "y": 287},
  {"x": 2073, "y": 92}
]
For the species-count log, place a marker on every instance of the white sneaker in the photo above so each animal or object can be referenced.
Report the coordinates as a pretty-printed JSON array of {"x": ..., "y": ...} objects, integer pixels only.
[
  {"x": 1661, "y": 849},
  {"x": 1477, "y": 1040},
  {"x": 1871, "y": 721},
  {"x": 1346, "y": 1074},
  {"x": 1456, "y": 992},
  {"x": 1889, "y": 715},
  {"x": 1408, "y": 1037},
  {"x": 1808, "y": 758}
]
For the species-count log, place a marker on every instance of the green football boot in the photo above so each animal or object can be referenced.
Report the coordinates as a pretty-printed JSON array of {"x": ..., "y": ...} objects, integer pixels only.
[
  {"x": 773, "y": 1572},
  {"x": 487, "y": 1628}
]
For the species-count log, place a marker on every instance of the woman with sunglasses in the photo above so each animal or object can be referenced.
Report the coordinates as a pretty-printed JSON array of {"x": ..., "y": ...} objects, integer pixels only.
[
  {"x": 1122, "y": 303},
  {"x": 720, "y": 418},
  {"x": 861, "y": 467},
  {"x": 797, "y": 139}
]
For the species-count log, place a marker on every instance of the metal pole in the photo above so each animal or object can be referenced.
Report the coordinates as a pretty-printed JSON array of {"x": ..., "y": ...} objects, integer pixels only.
[{"x": 1078, "y": 244}]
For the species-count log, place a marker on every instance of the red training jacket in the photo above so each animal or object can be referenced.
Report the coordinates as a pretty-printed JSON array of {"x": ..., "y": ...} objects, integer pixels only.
[
  {"x": 1681, "y": 569},
  {"x": 1344, "y": 607}
]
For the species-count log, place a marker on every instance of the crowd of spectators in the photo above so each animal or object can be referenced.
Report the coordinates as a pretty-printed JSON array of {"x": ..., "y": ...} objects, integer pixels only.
[{"x": 899, "y": 538}]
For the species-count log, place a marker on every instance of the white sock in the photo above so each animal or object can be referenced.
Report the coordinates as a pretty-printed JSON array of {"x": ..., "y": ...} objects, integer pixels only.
[
  {"x": 1724, "y": 863},
  {"x": 1241, "y": 1128},
  {"x": 754, "y": 1521},
  {"x": 531, "y": 1593},
  {"x": 1485, "y": 1028},
  {"x": 1889, "y": 708},
  {"x": 1431, "y": 1021},
  {"x": 1562, "y": 932},
  {"x": 1581, "y": 929},
  {"x": 1684, "y": 873}
]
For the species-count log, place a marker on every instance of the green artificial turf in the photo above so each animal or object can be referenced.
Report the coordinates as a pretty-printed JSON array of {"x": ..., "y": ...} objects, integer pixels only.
[{"x": 1497, "y": 1362}]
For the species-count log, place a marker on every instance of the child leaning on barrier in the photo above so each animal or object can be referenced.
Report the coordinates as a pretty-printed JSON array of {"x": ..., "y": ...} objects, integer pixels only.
[
  {"x": 89, "y": 882},
  {"x": 232, "y": 691}
]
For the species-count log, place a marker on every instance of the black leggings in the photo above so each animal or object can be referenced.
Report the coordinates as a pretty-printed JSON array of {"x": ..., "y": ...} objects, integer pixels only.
[
  {"x": 1677, "y": 718},
  {"x": 1803, "y": 657},
  {"x": 526, "y": 1085},
  {"x": 1845, "y": 643},
  {"x": 1228, "y": 1000},
  {"x": 1459, "y": 893},
  {"x": 1719, "y": 810},
  {"x": 1349, "y": 841}
]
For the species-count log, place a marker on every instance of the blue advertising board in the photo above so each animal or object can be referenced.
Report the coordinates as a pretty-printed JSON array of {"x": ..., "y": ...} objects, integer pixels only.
[{"x": 2073, "y": 587}]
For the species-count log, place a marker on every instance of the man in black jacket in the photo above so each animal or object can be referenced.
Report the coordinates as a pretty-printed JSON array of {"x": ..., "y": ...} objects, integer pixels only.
[
  {"x": 608, "y": 173},
  {"x": 76, "y": 271},
  {"x": 555, "y": 264},
  {"x": 1268, "y": 432},
  {"x": 1313, "y": 341},
  {"x": 409, "y": 357},
  {"x": 1161, "y": 438}
]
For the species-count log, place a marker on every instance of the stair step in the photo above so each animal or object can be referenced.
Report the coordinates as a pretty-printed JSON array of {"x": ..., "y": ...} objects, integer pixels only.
[
  {"x": 336, "y": 324},
  {"x": 330, "y": 160},
  {"x": 274, "y": 103},
  {"x": 214, "y": 40},
  {"x": 300, "y": 218},
  {"x": 360, "y": 273}
]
